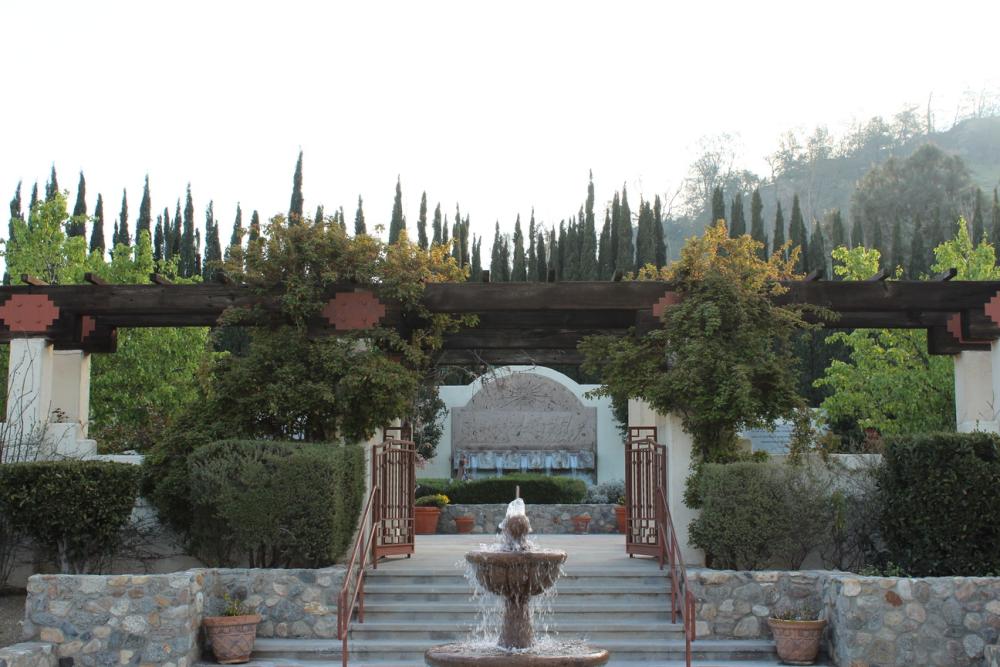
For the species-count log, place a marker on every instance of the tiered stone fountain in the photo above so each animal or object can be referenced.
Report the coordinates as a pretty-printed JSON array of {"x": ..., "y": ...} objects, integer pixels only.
[{"x": 516, "y": 572}]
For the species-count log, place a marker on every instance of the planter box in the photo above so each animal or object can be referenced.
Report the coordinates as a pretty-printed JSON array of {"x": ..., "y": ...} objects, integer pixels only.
[{"x": 545, "y": 519}]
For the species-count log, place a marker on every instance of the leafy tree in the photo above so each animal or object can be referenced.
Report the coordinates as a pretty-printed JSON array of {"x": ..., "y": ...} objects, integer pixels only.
[
  {"x": 625, "y": 251},
  {"x": 422, "y": 222},
  {"x": 40, "y": 247},
  {"x": 97, "y": 235},
  {"x": 359, "y": 220},
  {"x": 757, "y": 232},
  {"x": 145, "y": 220},
  {"x": 397, "y": 223},
  {"x": 778, "y": 240},
  {"x": 297, "y": 202},
  {"x": 78, "y": 223},
  {"x": 723, "y": 359},
  {"x": 519, "y": 271},
  {"x": 738, "y": 223}
]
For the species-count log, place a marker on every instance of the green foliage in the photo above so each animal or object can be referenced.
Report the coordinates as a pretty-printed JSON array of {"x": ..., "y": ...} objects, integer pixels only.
[
  {"x": 438, "y": 500},
  {"x": 759, "y": 514},
  {"x": 723, "y": 359},
  {"x": 940, "y": 506},
  {"x": 277, "y": 504},
  {"x": 974, "y": 261},
  {"x": 74, "y": 510},
  {"x": 535, "y": 489}
]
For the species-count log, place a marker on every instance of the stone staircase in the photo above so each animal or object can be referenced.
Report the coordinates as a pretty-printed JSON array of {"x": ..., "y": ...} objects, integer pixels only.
[{"x": 407, "y": 610}]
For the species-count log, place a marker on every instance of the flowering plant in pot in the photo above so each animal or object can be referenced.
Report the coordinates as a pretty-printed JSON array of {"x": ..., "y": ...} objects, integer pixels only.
[
  {"x": 797, "y": 635},
  {"x": 620, "y": 515},
  {"x": 427, "y": 512},
  {"x": 232, "y": 634}
]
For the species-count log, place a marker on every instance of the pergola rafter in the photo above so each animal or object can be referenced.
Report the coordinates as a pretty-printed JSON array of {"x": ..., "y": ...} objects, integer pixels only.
[{"x": 519, "y": 322}]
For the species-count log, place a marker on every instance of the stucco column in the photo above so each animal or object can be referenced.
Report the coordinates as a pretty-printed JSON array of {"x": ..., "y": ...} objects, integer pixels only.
[
  {"x": 680, "y": 449},
  {"x": 71, "y": 388},
  {"x": 29, "y": 397},
  {"x": 976, "y": 407}
]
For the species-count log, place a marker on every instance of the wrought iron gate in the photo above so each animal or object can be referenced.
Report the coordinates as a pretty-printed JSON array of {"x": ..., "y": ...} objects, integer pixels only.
[
  {"x": 645, "y": 474},
  {"x": 394, "y": 483}
]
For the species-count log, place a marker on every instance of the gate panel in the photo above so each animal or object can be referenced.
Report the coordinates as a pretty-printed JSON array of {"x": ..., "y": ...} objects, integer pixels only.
[
  {"x": 394, "y": 478},
  {"x": 645, "y": 473}
]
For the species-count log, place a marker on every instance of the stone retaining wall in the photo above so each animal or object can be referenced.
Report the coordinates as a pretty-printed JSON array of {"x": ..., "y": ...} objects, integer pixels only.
[
  {"x": 545, "y": 519},
  {"x": 934, "y": 621},
  {"x": 28, "y": 654},
  {"x": 992, "y": 655},
  {"x": 730, "y": 604}
]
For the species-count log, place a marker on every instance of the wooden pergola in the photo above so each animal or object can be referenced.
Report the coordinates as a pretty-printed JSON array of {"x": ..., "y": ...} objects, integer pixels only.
[{"x": 519, "y": 323}]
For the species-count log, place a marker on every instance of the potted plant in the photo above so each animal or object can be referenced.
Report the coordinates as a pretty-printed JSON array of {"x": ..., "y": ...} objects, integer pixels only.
[
  {"x": 581, "y": 523},
  {"x": 620, "y": 515},
  {"x": 232, "y": 634},
  {"x": 797, "y": 635},
  {"x": 464, "y": 524},
  {"x": 427, "y": 512}
]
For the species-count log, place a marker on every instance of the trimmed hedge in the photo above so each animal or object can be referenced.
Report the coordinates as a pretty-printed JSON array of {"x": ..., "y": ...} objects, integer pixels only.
[
  {"x": 74, "y": 509},
  {"x": 535, "y": 489},
  {"x": 276, "y": 504},
  {"x": 940, "y": 498}
]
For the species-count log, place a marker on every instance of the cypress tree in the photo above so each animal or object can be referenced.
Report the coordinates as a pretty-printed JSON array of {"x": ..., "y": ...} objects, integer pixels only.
[
  {"x": 838, "y": 233},
  {"x": 660, "y": 240},
  {"x": 15, "y": 204},
  {"x": 97, "y": 234},
  {"x": 359, "y": 220},
  {"x": 176, "y": 237},
  {"x": 123, "y": 237},
  {"x": 295, "y": 205},
  {"x": 254, "y": 234},
  {"x": 197, "y": 252},
  {"x": 519, "y": 271},
  {"x": 625, "y": 257},
  {"x": 542, "y": 270},
  {"x": 78, "y": 223},
  {"x": 897, "y": 256},
  {"x": 553, "y": 254},
  {"x": 505, "y": 258},
  {"x": 857, "y": 232},
  {"x": 396, "y": 223},
  {"x": 465, "y": 241},
  {"x": 320, "y": 214},
  {"x": 236, "y": 240},
  {"x": 604, "y": 261},
  {"x": 797, "y": 235},
  {"x": 456, "y": 235},
  {"x": 757, "y": 222},
  {"x": 995, "y": 222},
  {"x": 158, "y": 239},
  {"x": 738, "y": 227},
  {"x": 422, "y": 224},
  {"x": 588, "y": 246},
  {"x": 188, "y": 251},
  {"x": 559, "y": 252},
  {"x": 436, "y": 226},
  {"x": 778, "y": 236},
  {"x": 52, "y": 187},
  {"x": 34, "y": 198},
  {"x": 718, "y": 205},
  {"x": 145, "y": 220},
  {"x": 496, "y": 273},
  {"x": 645, "y": 243},
  {"x": 531, "y": 270},
  {"x": 342, "y": 220},
  {"x": 817, "y": 249},
  {"x": 978, "y": 223},
  {"x": 444, "y": 231},
  {"x": 919, "y": 261},
  {"x": 616, "y": 214},
  {"x": 213, "y": 245},
  {"x": 877, "y": 241},
  {"x": 475, "y": 274},
  {"x": 164, "y": 243}
]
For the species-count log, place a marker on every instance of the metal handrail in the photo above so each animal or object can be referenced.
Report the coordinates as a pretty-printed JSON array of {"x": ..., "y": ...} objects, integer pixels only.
[
  {"x": 678, "y": 572},
  {"x": 362, "y": 550}
]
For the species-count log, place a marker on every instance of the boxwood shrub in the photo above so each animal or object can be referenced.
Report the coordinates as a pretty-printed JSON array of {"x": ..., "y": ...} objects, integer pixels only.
[
  {"x": 75, "y": 510},
  {"x": 940, "y": 497},
  {"x": 274, "y": 504},
  {"x": 535, "y": 489}
]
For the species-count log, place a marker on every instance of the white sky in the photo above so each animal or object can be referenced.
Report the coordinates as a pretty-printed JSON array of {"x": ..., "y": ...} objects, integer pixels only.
[{"x": 499, "y": 106}]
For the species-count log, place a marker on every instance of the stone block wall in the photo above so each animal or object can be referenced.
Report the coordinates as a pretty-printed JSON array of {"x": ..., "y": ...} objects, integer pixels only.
[
  {"x": 992, "y": 655},
  {"x": 730, "y": 604},
  {"x": 545, "y": 519},
  {"x": 117, "y": 619},
  {"x": 890, "y": 621},
  {"x": 28, "y": 654}
]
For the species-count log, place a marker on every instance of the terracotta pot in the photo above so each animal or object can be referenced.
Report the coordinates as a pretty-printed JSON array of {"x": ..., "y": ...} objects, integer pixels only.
[
  {"x": 581, "y": 523},
  {"x": 621, "y": 518},
  {"x": 797, "y": 641},
  {"x": 231, "y": 637},
  {"x": 464, "y": 524},
  {"x": 426, "y": 519}
]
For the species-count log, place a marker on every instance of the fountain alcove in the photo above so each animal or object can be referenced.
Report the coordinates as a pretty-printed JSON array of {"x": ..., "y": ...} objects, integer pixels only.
[{"x": 515, "y": 572}]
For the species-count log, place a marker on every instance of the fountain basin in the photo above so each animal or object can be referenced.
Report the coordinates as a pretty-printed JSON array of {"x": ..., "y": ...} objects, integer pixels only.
[
  {"x": 517, "y": 574},
  {"x": 460, "y": 655}
]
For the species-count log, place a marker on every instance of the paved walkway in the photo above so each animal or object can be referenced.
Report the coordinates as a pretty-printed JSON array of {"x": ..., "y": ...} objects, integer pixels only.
[{"x": 587, "y": 552}]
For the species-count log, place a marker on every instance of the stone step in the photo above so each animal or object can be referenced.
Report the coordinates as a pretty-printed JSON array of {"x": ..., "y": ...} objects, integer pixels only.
[
  {"x": 403, "y": 650},
  {"x": 465, "y": 588},
  {"x": 698, "y": 662},
  {"x": 579, "y": 609},
  {"x": 450, "y": 631}
]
